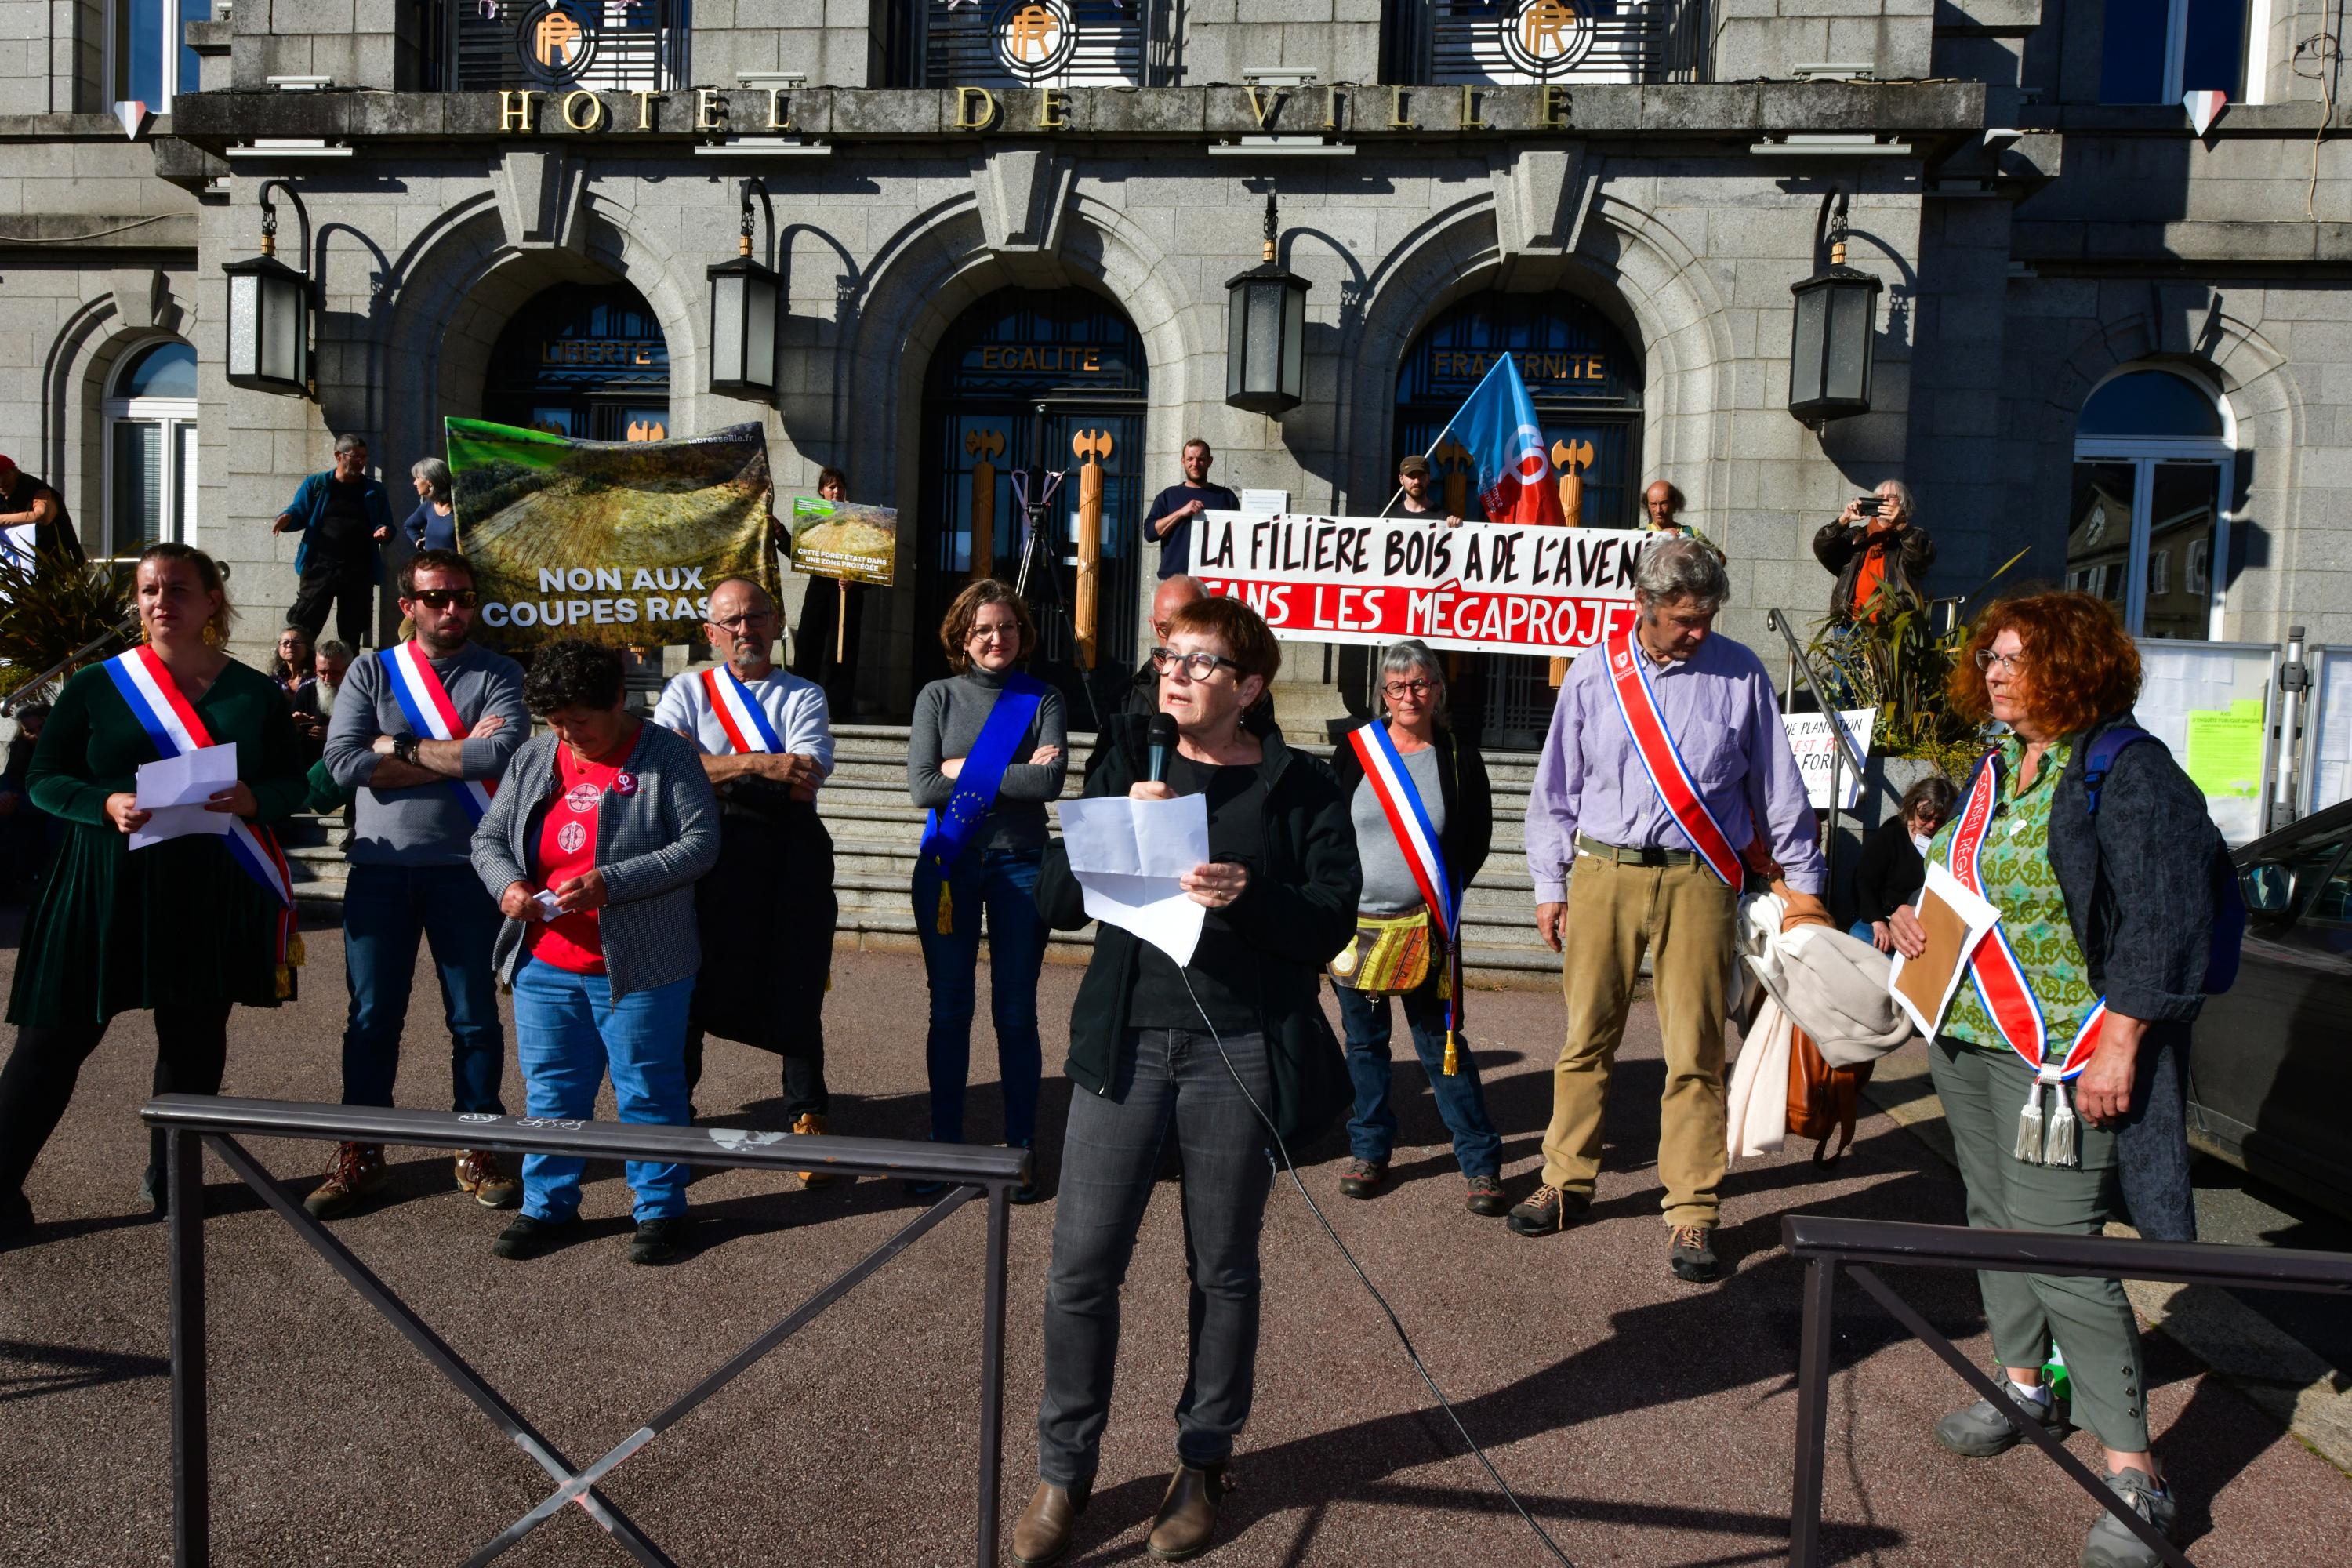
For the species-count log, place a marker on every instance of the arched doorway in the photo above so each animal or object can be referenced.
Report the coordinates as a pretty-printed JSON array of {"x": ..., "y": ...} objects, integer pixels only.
[
  {"x": 584, "y": 361},
  {"x": 1012, "y": 385},
  {"x": 1586, "y": 381}
]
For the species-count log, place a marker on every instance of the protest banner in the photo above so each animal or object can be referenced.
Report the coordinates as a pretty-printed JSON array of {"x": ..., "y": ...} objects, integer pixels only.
[
  {"x": 842, "y": 539},
  {"x": 1496, "y": 588},
  {"x": 616, "y": 542},
  {"x": 1808, "y": 738}
]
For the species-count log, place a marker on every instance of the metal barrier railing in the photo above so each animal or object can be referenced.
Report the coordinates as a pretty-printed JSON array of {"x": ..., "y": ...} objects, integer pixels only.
[
  {"x": 1825, "y": 1244},
  {"x": 191, "y": 1122}
]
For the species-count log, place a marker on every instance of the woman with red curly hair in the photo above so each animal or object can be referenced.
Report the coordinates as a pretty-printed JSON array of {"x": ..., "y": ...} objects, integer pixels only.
[{"x": 2092, "y": 974}]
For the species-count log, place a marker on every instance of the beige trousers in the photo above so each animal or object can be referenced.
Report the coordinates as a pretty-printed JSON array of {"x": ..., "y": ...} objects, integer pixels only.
[{"x": 1685, "y": 919}]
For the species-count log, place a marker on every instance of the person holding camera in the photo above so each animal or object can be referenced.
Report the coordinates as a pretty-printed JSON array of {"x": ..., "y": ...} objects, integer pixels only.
[{"x": 1874, "y": 543}]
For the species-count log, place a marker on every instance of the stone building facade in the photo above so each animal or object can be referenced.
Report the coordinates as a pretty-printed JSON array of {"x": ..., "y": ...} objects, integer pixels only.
[{"x": 2048, "y": 224}]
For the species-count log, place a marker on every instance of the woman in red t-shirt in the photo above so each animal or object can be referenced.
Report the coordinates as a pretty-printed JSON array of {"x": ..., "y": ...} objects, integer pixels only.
[{"x": 592, "y": 844}]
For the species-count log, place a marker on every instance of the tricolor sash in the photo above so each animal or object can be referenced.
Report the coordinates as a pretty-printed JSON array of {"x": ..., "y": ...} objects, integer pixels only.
[
  {"x": 155, "y": 700},
  {"x": 739, "y": 713},
  {"x": 1637, "y": 704},
  {"x": 424, "y": 702},
  {"x": 947, "y": 830},
  {"x": 2002, "y": 986},
  {"x": 1401, "y": 803}
]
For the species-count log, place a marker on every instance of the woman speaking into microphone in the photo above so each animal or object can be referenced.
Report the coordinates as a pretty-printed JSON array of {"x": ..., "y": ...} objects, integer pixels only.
[{"x": 1194, "y": 1053}]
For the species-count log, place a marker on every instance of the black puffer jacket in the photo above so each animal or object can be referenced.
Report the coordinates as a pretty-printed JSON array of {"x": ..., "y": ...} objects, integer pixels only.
[{"x": 1298, "y": 908}]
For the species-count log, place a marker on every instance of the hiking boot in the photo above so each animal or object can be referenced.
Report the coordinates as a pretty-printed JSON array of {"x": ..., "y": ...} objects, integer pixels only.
[
  {"x": 525, "y": 1238},
  {"x": 2110, "y": 1545},
  {"x": 1548, "y": 1210},
  {"x": 1186, "y": 1524},
  {"x": 661, "y": 1241},
  {"x": 809, "y": 1124},
  {"x": 1483, "y": 1195},
  {"x": 1041, "y": 1534},
  {"x": 1362, "y": 1178},
  {"x": 1981, "y": 1430},
  {"x": 478, "y": 1174},
  {"x": 1690, "y": 1252},
  {"x": 356, "y": 1171}
]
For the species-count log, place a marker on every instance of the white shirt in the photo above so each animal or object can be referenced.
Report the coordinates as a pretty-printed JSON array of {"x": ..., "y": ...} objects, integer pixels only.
[{"x": 795, "y": 710}]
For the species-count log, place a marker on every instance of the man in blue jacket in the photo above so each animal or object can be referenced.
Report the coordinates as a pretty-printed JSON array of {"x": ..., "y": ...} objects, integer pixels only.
[{"x": 342, "y": 515}]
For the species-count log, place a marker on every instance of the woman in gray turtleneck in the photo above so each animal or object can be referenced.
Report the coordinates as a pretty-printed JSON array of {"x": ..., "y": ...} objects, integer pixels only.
[{"x": 987, "y": 635}]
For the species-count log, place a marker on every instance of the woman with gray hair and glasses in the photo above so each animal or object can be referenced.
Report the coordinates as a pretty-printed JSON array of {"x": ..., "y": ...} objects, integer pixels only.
[
  {"x": 1875, "y": 543},
  {"x": 1411, "y": 787},
  {"x": 433, "y": 524}
]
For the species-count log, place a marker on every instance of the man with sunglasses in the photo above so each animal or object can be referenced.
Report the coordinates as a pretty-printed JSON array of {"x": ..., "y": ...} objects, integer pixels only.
[
  {"x": 421, "y": 733},
  {"x": 767, "y": 910}
]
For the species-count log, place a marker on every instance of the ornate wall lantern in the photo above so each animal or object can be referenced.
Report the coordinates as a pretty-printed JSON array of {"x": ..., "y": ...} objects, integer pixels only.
[
  {"x": 1265, "y": 332},
  {"x": 1836, "y": 325},
  {"x": 747, "y": 301},
  {"x": 270, "y": 306}
]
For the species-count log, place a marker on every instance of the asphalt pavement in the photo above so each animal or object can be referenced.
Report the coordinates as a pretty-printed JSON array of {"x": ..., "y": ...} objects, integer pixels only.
[{"x": 1643, "y": 1420}]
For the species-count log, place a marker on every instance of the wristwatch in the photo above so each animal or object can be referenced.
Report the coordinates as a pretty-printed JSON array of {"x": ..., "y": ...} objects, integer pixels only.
[{"x": 404, "y": 748}]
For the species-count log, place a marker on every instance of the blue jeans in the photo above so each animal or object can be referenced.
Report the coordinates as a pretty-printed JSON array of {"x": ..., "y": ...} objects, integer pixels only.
[
  {"x": 1174, "y": 1081},
  {"x": 1461, "y": 1103},
  {"x": 385, "y": 909},
  {"x": 1861, "y": 930},
  {"x": 568, "y": 1032},
  {"x": 1004, "y": 882}
]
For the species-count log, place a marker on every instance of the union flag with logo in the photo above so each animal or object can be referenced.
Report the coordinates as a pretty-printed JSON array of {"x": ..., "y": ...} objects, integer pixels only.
[{"x": 1498, "y": 425}]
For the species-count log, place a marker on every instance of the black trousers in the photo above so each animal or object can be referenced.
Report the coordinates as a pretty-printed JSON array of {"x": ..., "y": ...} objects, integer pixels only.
[
  {"x": 350, "y": 587},
  {"x": 813, "y": 639},
  {"x": 804, "y": 1053},
  {"x": 192, "y": 1050}
]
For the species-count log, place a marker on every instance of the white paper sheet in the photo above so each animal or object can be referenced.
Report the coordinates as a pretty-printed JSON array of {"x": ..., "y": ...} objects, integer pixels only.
[
  {"x": 1127, "y": 856},
  {"x": 174, "y": 792},
  {"x": 1977, "y": 915}
]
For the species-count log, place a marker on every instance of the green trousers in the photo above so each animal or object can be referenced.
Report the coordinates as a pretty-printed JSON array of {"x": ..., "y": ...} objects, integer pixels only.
[{"x": 1982, "y": 1092}]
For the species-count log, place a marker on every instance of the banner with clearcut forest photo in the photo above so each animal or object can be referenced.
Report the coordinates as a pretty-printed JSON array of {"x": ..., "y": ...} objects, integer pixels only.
[{"x": 616, "y": 542}]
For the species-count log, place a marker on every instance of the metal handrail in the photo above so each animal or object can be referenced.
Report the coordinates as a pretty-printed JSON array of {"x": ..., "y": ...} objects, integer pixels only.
[
  {"x": 191, "y": 1122},
  {"x": 1779, "y": 621},
  {"x": 1825, "y": 1244}
]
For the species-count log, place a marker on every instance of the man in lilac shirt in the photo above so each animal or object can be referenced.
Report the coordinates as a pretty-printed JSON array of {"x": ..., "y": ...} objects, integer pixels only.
[{"x": 1638, "y": 884}]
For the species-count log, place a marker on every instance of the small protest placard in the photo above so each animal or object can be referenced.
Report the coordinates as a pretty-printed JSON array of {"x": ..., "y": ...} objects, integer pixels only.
[
  {"x": 1810, "y": 739},
  {"x": 843, "y": 539}
]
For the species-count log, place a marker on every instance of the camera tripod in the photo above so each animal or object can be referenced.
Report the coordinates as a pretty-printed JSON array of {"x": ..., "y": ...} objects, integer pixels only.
[{"x": 1050, "y": 603}]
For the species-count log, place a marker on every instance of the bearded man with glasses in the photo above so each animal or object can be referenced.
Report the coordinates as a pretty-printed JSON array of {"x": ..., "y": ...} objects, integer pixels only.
[{"x": 421, "y": 733}]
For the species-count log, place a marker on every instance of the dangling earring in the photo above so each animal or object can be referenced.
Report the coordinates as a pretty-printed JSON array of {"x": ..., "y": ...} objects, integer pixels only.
[
  {"x": 146, "y": 632},
  {"x": 212, "y": 634}
]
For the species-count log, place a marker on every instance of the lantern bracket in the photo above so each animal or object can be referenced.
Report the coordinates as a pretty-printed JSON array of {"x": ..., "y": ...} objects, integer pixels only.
[
  {"x": 269, "y": 231},
  {"x": 756, "y": 184}
]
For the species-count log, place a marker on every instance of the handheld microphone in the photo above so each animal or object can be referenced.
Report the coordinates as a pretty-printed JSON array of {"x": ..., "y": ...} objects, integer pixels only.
[{"x": 1162, "y": 741}]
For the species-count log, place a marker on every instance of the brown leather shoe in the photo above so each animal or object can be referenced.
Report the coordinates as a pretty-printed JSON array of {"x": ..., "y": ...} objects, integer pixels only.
[
  {"x": 809, "y": 1124},
  {"x": 1042, "y": 1531},
  {"x": 1186, "y": 1524}
]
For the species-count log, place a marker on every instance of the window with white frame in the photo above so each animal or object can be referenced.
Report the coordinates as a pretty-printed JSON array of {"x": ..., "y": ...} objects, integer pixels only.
[
  {"x": 2154, "y": 458},
  {"x": 151, "y": 449},
  {"x": 147, "y": 53},
  {"x": 2153, "y": 51}
]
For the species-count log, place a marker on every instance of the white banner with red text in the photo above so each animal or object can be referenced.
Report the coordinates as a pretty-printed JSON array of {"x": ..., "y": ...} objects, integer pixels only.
[{"x": 1483, "y": 586}]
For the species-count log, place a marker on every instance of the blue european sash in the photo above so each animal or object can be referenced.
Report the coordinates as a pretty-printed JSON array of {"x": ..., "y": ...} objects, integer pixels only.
[{"x": 949, "y": 829}]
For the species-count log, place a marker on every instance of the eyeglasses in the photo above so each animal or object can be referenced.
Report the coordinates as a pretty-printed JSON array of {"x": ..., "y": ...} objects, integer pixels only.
[
  {"x": 1200, "y": 664},
  {"x": 2014, "y": 663},
  {"x": 441, "y": 598},
  {"x": 1396, "y": 688},
  {"x": 748, "y": 618},
  {"x": 985, "y": 634}
]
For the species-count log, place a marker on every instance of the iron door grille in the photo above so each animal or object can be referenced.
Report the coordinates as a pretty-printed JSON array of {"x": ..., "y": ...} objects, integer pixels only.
[
  {"x": 633, "y": 46},
  {"x": 1046, "y": 43}
]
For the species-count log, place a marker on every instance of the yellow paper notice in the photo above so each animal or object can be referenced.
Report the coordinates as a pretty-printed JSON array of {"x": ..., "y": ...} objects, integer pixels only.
[{"x": 2225, "y": 749}]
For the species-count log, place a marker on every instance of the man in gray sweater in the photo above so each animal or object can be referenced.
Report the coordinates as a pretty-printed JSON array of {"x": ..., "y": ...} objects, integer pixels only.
[{"x": 422, "y": 731}]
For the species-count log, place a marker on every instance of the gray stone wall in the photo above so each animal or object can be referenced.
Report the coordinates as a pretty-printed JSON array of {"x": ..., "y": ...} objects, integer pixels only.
[
  {"x": 1771, "y": 39},
  {"x": 1339, "y": 41}
]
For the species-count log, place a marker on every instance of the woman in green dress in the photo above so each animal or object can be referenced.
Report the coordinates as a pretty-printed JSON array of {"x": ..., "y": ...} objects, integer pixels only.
[{"x": 180, "y": 927}]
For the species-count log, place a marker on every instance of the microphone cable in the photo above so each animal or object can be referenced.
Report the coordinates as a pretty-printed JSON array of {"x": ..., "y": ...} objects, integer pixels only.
[{"x": 1394, "y": 1323}]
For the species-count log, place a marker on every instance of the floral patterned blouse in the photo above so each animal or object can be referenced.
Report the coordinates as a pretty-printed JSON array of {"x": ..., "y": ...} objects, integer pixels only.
[{"x": 2023, "y": 884}]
